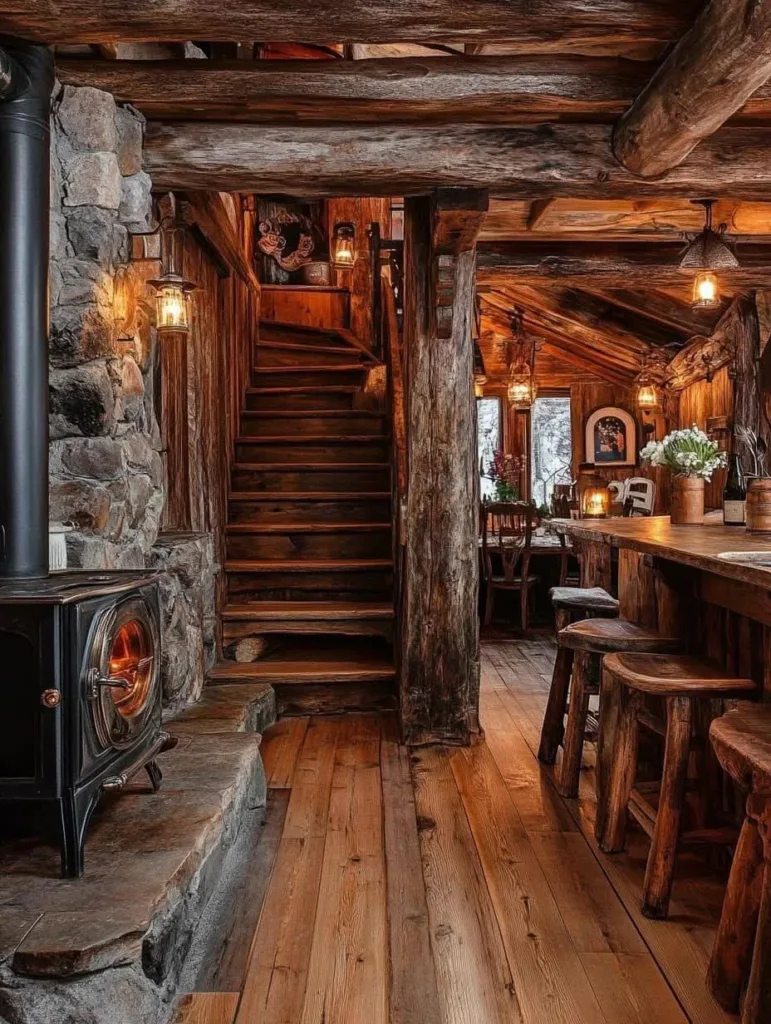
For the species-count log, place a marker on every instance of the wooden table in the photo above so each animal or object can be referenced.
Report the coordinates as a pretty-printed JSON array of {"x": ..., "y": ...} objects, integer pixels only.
[{"x": 671, "y": 577}]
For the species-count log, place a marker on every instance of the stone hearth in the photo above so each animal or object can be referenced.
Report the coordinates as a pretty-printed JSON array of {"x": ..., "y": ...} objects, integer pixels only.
[{"x": 109, "y": 948}]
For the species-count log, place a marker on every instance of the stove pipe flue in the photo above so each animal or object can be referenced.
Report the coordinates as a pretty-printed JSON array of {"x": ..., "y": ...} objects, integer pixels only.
[{"x": 26, "y": 81}]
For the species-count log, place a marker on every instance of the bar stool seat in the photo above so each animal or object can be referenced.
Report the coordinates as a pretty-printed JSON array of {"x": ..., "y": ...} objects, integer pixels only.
[
  {"x": 741, "y": 957},
  {"x": 569, "y": 603},
  {"x": 682, "y": 681},
  {"x": 589, "y": 639},
  {"x": 586, "y": 600}
]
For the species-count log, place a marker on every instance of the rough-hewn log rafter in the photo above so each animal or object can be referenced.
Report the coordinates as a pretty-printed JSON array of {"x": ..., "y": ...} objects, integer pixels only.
[
  {"x": 709, "y": 75},
  {"x": 492, "y": 90},
  {"x": 365, "y": 21},
  {"x": 558, "y": 160},
  {"x": 604, "y": 264}
]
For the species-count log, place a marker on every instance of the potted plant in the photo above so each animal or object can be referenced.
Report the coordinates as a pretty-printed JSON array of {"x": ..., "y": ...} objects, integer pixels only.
[
  {"x": 693, "y": 458},
  {"x": 504, "y": 472}
]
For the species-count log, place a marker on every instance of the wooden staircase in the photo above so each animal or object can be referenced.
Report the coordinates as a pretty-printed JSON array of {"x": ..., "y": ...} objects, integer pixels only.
[{"x": 309, "y": 557}]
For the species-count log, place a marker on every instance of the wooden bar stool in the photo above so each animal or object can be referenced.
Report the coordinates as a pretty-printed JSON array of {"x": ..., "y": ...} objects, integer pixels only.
[
  {"x": 741, "y": 957},
  {"x": 589, "y": 640},
  {"x": 569, "y": 603},
  {"x": 681, "y": 681}
]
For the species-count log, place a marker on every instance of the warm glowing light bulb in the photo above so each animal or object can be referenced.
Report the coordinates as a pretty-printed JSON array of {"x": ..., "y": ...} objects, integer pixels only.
[
  {"x": 705, "y": 290},
  {"x": 647, "y": 397},
  {"x": 596, "y": 502},
  {"x": 172, "y": 308},
  {"x": 521, "y": 390},
  {"x": 344, "y": 245}
]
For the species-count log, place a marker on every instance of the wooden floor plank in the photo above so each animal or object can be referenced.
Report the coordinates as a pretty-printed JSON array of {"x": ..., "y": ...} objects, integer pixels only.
[
  {"x": 225, "y": 969},
  {"x": 280, "y": 749},
  {"x": 549, "y": 980},
  {"x": 475, "y": 981},
  {"x": 414, "y": 998},
  {"x": 277, "y": 970},
  {"x": 631, "y": 989},
  {"x": 348, "y": 971},
  {"x": 207, "y": 1008}
]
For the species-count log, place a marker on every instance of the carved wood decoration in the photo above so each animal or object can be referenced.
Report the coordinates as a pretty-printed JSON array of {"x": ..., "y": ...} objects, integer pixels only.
[
  {"x": 711, "y": 72},
  {"x": 702, "y": 358},
  {"x": 529, "y": 162},
  {"x": 439, "y": 624}
]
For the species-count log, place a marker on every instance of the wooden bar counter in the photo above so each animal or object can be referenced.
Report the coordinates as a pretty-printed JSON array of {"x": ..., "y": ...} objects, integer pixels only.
[{"x": 672, "y": 577}]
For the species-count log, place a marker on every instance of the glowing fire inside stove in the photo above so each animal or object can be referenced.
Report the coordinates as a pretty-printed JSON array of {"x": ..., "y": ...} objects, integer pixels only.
[{"x": 131, "y": 659}]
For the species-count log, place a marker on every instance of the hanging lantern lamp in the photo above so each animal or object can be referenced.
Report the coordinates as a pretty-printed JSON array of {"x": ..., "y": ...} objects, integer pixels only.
[
  {"x": 705, "y": 257},
  {"x": 344, "y": 244},
  {"x": 522, "y": 385}
]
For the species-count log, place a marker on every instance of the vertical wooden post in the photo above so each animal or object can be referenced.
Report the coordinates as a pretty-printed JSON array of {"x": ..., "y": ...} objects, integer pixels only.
[{"x": 439, "y": 696}]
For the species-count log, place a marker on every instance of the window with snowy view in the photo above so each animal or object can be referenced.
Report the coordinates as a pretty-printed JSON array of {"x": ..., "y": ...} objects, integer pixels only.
[
  {"x": 488, "y": 439},
  {"x": 551, "y": 447}
]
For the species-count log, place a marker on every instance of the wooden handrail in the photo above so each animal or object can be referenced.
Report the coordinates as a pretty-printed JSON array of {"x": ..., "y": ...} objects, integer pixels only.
[{"x": 393, "y": 358}]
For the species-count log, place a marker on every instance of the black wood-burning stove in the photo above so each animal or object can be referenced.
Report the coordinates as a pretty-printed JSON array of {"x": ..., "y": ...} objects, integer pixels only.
[{"x": 80, "y": 694}]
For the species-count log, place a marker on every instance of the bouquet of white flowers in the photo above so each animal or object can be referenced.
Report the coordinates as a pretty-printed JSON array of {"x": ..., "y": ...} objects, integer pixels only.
[{"x": 686, "y": 452}]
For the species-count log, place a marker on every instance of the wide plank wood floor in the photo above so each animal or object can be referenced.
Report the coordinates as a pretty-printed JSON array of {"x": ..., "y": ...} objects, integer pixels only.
[{"x": 453, "y": 886}]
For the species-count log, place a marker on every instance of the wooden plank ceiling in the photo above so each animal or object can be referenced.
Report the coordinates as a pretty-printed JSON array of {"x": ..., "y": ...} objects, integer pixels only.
[{"x": 585, "y": 227}]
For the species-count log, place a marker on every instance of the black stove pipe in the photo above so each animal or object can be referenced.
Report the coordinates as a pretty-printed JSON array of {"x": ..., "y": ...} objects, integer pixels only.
[{"x": 26, "y": 81}]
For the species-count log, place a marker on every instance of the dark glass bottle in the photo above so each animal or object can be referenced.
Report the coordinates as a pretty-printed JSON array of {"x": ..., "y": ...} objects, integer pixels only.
[{"x": 734, "y": 493}]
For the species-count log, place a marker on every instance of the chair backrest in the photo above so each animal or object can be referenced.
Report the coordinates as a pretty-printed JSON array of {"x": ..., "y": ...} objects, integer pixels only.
[
  {"x": 507, "y": 530},
  {"x": 642, "y": 492},
  {"x": 617, "y": 491}
]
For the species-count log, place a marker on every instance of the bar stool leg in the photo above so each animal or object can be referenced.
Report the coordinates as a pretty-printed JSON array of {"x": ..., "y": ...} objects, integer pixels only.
[
  {"x": 621, "y": 771},
  {"x": 757, "y": 1004},
  {"x": 489, "y": 603},
  {"x": 660, "y": 868},
  {"x": 606, "y": 744},
  {"x": 729, "y": 966},
  {"x": 552, "y": 728},
  {"x": 573, "y": 746}
]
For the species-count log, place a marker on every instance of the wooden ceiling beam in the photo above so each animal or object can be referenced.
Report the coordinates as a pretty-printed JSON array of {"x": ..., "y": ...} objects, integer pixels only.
[
  {"x": 714, "y": 69},
  {"x": 548, "y": 160},
  {"x": 605, "y": 265},
  {"x": 456, "y": 217},
  {"x": 359, "y": 21},
  {"x": 675, "y": 315},
  {"x": 410, "y": 90}
]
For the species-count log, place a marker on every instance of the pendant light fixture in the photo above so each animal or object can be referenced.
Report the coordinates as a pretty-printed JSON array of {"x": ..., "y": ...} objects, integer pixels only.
[
  {"x": 522, "y": 385},
  {"x": 707, "y": 254}
]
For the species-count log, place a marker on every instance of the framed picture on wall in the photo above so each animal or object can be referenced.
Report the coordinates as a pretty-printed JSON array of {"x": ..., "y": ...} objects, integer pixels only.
[{"x": 611, "y": 437}]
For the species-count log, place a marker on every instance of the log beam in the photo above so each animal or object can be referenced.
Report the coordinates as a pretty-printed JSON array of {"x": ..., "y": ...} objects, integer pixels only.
[
  {"x": 549, "y": 160},
  {"x": 439, "y": 624},
  {"x": 360, "y": 21},
  {"x": 709, "y": 75},
  {"x": 605, "y": 264},
  {"x": 410, "y": 90}
]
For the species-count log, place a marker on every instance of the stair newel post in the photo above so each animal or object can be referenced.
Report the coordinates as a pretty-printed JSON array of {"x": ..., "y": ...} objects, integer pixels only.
[{"x": 439, "y": 628}]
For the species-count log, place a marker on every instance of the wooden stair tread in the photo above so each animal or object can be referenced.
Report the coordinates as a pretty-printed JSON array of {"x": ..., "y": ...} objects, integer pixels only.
[
  {"x": 306, "y": 389},
  {"x": 332, "y": 467},
  {"x": 309, "y": 496},
  {"x": 317, "y": 414},
  {"x": 320, "y": 368},
  {"x": 310, "y": 439},
  {"x": 308, "y": 565},
  {"x": 293, "y": 527},
  {"x": 337, "y": 350},
  {"x": 337, "y": 667},
  {"x": 260, "y": 611}
]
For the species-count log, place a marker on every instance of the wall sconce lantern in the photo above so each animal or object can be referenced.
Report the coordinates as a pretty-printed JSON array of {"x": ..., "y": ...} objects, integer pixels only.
[
  {"x": 479, "y": 385},
  {"x": 647, "y": 396},
  {"x": 707, "y": 254},
  {"x": 596, "y": 499},
  {"x": 522, "y": 386},
  {"x": 344, "y": 244},
  {"x": 172, "y": 303}
]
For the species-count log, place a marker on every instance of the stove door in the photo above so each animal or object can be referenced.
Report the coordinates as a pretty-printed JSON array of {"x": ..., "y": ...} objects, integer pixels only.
[{"x": 123, "y": 673}]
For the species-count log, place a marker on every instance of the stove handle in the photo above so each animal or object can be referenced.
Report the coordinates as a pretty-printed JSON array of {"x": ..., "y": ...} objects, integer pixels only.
[{"x": 96, "y": 682}]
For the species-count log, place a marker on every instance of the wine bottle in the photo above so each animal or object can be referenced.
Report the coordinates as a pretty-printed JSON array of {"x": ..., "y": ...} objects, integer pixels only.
[{"x": 734, "y": 493}]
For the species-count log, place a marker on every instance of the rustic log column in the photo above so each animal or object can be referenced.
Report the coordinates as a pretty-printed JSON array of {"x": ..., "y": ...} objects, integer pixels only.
[{"x": 439, "y": 624}]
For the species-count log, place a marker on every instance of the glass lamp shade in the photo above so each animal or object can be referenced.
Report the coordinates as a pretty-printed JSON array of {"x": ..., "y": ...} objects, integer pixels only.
[
  {"x": 522, "y": 389},
  {"x": 646, "y": 396},
  {"x": 172, "y": 303},
  {"x": 706, "y": 291},
  {"x": 595, "y": 503},
  {"x": 344, "y": 245}
]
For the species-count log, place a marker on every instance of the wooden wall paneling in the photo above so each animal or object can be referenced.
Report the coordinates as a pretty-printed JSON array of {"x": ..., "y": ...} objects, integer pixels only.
[
  {"x": 306, "y": 305},
  {"x": 698, "y": 403},
  {"x": 172, "y": 356}
]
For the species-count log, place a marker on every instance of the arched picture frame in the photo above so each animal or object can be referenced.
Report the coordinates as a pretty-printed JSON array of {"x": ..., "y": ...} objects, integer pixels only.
[{"x": 611, "y": 437}]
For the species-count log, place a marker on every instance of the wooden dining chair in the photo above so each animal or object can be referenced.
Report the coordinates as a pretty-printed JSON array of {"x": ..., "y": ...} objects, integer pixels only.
[{"x": 507, "y": 529}]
